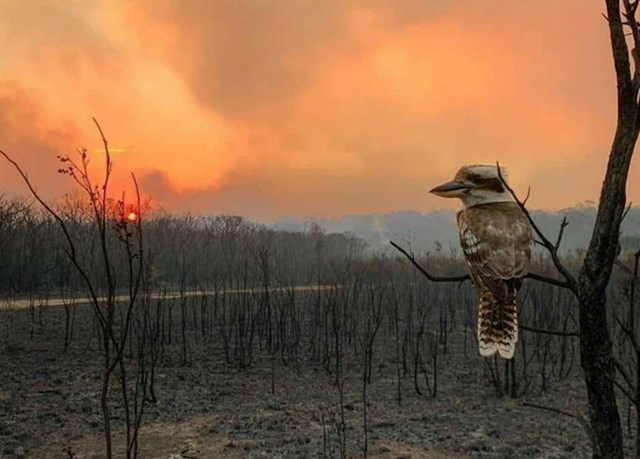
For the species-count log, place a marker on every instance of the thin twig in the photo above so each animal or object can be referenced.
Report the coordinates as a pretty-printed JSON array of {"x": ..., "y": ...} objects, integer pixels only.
[
  {"x": 581, "y": 419},
  {"x": 615, "y": 382},
  {"x": 563, "y": 225},
  {"x": 549, "y": 408},
  {"x": 623, "y": 372},
  {"x": 548, "y": 280},
  {"x": 630, "y": 335},
  {"x": 630, "y": 11},
  {"x": 526, "y": 198},
  {"x": 626, "y": 211}
]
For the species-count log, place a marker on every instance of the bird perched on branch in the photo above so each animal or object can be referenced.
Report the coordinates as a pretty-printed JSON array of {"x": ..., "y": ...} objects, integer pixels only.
[{"x": 496, "y": 239}]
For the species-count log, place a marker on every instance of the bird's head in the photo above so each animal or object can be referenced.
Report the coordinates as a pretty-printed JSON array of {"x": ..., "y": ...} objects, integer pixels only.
[{"x": 474, "y": 185}]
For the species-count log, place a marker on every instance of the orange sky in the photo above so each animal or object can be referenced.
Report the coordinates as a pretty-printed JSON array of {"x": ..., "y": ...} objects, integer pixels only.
[{"x": 310, "y": 108}]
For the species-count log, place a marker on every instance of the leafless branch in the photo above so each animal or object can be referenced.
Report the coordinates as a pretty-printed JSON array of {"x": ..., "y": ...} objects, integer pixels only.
[
  {"x": 571, "y": 283},
  {"x": 426, "y": 274},
  {"x": 625, "y": 90},
  {"x": 547, "y": 280},
  {"x": 623, "y": 372},
  {"x": 460, "y": 279},
  {"x": 626, "y": 211},
  {"x": 629, "y": 14},
  {"x": 563, "y": 225},
  {"x": 617, "y": 383},
  {"x": 630, "y": 334},
  {"x": 70, "y": 250},
  {"x": 549, "y": 408}
]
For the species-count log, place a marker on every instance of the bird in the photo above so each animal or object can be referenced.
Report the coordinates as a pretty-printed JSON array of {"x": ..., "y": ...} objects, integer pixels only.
[{"x": 496, "y": 239}]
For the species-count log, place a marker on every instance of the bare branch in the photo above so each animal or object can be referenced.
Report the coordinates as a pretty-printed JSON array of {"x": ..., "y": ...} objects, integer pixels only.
[
  {"x": 548, "y": 280},
  {"x": 630, "y": 334},
  {"x": 581, "y": 420},
  {"x": 70, "y": 250},
  {"x": 626, "y": 211},
  {"x": 620, "y": 56},
  {"x": 549, "y": 408},
  {"x": 623, "y": 267},
  {"x": 617, "y": 383},
  {"x": 635, "y": 81},
  {"x": 624, "y": 374},
  {"x": 630, "y": 11},
  {"x": 426, "y": 274},
  {"x": 570, "y": 280},
  {"x": 105, "y": 143},
  {"x": 563, "y": 225},
  {"x": 526, "y": 198},
  {"x": 42, "y": 202},
  {"x": 462, "y": 278}
]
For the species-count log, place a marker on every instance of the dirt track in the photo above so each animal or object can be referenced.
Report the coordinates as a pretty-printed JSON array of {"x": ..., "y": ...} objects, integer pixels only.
[{"x": 11, "y": 304}]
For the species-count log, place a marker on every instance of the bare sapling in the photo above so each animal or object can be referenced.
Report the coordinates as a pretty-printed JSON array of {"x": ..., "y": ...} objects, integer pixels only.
[{"x": 116, "y": 228}]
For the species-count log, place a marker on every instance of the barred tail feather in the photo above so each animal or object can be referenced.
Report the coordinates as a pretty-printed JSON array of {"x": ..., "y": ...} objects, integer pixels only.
[{"x": 497, "y": 325}]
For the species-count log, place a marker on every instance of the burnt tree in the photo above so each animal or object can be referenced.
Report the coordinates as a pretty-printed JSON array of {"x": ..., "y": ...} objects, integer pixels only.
[
  {"x": 589, "y": 287},
  {"x": 596, "y": 354}
]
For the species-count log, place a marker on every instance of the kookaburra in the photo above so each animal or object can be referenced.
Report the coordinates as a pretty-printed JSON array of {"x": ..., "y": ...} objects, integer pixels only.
[{"x": 496, "y": 239}]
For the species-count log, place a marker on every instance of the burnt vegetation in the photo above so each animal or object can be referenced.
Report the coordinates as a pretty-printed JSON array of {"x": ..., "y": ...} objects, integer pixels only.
[
  {"x": 116, "y": 316},
  {"x": 201, "y": 300}
]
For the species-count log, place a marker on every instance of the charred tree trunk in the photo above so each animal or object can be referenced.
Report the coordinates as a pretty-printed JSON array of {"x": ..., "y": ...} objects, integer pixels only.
[
  {"x": 596, "y": 354},
  {"x": 595, "y": 343},
  {"x": 596, "y": 359}
]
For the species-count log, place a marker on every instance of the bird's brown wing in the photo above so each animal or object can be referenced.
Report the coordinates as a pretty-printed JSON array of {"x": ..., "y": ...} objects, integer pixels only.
[{"x": 496, "y": 241}]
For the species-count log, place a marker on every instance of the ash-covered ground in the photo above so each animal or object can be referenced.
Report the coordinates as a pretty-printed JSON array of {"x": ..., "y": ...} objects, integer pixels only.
[{"x": 49, "y": 404}]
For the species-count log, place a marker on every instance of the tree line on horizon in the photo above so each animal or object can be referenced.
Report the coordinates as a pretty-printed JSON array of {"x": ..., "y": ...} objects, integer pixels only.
[{"x": 201, "y": 248}]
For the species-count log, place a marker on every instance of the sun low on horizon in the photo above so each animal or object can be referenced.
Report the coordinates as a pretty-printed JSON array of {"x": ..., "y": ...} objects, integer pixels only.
[{"x": 304, "y": 108}]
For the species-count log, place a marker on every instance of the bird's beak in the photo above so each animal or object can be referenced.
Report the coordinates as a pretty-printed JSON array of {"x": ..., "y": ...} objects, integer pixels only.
[{"x": 453, "y": 189}]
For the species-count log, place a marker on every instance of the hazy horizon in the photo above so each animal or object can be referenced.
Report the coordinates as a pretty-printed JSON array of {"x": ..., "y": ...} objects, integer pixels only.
[
  {"x": 310, "y": 109},
  {"x": 149, "y": 203}
]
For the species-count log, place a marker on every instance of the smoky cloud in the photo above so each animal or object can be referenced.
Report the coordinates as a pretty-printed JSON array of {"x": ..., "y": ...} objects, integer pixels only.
[
  {"x": 300, "y": 107},
  {"x": 28, "y": 135},
  {"x": 249, "y": 59}
]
